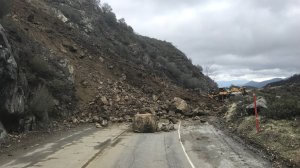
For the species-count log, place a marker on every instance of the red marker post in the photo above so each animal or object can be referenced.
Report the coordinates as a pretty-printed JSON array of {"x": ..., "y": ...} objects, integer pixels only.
[{"x": 256, "y": 113}]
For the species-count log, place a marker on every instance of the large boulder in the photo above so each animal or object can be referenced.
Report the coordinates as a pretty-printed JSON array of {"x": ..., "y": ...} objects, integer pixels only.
[
  {"x": 261, "y": 103},
  {"x": 181, "y": 104},
  {"x": 145, "y": 123}
]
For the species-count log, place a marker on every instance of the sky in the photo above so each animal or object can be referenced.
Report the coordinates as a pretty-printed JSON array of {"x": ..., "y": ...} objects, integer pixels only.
[{"x": 231, "y": 39}]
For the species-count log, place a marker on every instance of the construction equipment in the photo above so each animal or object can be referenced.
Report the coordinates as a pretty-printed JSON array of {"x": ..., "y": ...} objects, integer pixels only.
[
  {"x": 224, "y": 93},
  {"x": 219, "y": 95},
  {"x": 238, "y": 90}
]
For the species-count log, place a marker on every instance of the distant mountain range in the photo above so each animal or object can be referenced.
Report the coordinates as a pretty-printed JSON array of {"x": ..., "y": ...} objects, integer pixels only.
[
  {"x": 222, "y": 84},
  {"x": 262, "y": 84},
  {"x": 295, "y": 79}
]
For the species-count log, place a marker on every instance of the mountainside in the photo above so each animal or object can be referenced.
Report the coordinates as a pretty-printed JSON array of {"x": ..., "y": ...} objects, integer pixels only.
[
  {"x": 293, "y": 80},
  {"x": 64, "y": 58},
  {"x": 261, "y": 84}
]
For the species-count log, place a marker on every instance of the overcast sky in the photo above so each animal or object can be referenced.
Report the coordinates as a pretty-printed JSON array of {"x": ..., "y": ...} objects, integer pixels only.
[{"x": 236, "y": 39}]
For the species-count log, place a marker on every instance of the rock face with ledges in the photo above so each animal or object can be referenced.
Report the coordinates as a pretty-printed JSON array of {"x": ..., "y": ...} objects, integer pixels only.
[{"x": 11, "y": 94}]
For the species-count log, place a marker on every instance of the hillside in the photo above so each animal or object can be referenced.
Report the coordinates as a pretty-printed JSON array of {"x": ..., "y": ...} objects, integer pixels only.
[
  {"x": 293, "y": 80},
  {"x": 261, "y": 84},
  {"x": 62, "y": 58}
]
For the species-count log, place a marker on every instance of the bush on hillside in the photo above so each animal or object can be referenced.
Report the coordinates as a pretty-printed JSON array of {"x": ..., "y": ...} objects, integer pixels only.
[
  {"x": 41, "y": 103},
  {"x": 4, "y": 7},
  {"x": 283, "y": 108},
  {"x": 71, "y": 14}
]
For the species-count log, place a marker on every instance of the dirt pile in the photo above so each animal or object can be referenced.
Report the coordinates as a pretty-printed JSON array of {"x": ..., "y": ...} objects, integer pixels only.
[{"x": 118, "y": 102}]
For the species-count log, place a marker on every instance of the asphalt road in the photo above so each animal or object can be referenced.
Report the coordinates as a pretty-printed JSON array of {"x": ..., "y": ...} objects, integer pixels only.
[{"x": 201, "y": 145}]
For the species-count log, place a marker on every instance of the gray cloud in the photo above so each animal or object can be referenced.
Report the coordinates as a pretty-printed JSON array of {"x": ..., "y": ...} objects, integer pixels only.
[{"x": 241, "y": 39}]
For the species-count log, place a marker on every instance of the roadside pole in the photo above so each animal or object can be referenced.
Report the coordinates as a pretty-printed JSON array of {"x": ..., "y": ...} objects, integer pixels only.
[{"x": 256, "y": 114}]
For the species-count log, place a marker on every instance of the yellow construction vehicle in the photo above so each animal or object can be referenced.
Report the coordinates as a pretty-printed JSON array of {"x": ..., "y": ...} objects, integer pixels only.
[
  {"x": 219, "y": 95},
  {"x": 238, "y": 90}
]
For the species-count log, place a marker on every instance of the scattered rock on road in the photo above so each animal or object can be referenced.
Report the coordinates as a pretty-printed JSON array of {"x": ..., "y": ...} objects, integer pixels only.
[
  {"x": 98, "y": 125},
  {"x": 166, "y": 127}
]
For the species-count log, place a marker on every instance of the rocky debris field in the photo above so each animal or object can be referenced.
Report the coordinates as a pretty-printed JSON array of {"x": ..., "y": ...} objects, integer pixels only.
[{"x": 118, "y": 101}]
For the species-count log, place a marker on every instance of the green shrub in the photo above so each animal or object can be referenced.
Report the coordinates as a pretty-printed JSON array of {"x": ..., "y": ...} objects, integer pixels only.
[
  {"x": 284, "y": 108},
  {"x": 4, "y": 7},
  {"x": 172, "y": 68},
  {"x": 71, "y": 14},
  {"x": 41, "y": 67},
  {"x": 41, "y": 103}
]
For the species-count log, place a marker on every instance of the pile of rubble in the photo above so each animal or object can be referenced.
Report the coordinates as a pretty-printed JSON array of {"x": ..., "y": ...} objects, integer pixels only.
[{"x": 119, "y": 102}]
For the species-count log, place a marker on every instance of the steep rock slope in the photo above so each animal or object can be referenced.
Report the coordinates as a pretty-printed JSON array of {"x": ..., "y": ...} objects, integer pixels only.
[{"x": 75, "y": 58}]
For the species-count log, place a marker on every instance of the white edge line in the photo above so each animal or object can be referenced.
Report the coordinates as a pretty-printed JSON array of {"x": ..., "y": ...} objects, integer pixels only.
[{"x": 184, "y": 151}]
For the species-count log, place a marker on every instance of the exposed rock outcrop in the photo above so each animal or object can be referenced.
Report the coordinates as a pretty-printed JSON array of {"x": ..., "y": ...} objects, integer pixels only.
[
  {"x": 12, "y": 93},
  {"x": 3, "y": 133}
]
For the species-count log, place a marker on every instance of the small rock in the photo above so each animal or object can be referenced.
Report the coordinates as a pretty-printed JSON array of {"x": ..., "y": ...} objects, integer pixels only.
[
  {"x": 104, "y": 100},
  {"x": 154, "y": 97},
  {"x": 101, "y": 59},
  {"x": 104, "y": 123},
  {"x": 171, "y": 127},
  {"x": 96, "y": 119},
  {"x": 167, "y": 127},
  {"x": 126, "y": 98},
  {"x": 84, "y": 83},
  {"x": 196, "y": 118},
  {"x": 128, "y": 118},
  {"x": 152, "y": 111},
  {"x": 171, "y": 113},
  {"x": 75, "y": 120},
  {"x": 98, "y": 125},
  {"x": 118, "y": 98},
  {"x": 173, "y": 120}
]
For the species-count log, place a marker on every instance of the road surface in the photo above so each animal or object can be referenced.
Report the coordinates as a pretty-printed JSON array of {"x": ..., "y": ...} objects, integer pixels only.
[{"x": 193, "y": 145}]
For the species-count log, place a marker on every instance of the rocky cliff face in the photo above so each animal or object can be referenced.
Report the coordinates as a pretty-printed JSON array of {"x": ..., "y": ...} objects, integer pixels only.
[
  {"x": 12, "y": 100},
  {"x": 12, "y": 96},
  {"x": 61, "y": 57}
]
